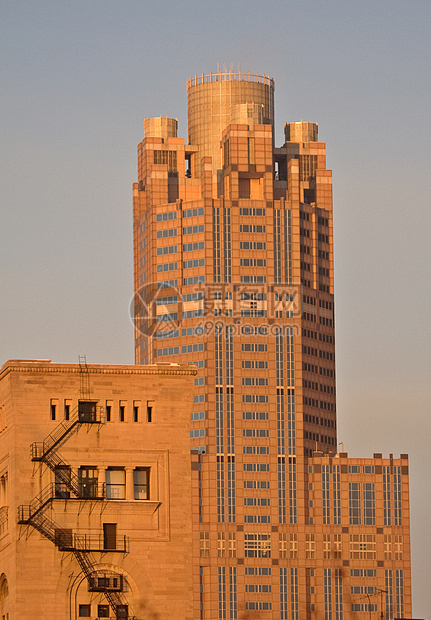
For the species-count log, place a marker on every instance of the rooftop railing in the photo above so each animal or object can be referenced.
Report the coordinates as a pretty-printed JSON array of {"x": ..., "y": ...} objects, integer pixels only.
[{"x": 230, "y": 76}]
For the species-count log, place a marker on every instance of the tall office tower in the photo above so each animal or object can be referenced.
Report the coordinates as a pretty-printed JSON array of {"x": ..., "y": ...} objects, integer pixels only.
[{"x": 234, "y": 273}]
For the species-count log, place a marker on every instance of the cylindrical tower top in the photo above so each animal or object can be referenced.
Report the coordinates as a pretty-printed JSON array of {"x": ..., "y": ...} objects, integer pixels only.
[
  {"x": 160, "y": 127},
  {"x": 247, "y": 114},
  {"x": 301, "y": 131},
  {"x": 210, "y": 102}
]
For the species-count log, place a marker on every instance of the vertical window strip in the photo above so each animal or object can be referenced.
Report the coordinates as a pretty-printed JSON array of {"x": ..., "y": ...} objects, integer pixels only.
[
  {"x": 399, "y": 592},
  {"x": 201, "y": 591},
  {"x": 326, "y": 502},
  {"x": 230, "y": 424},
  {"x": 229, "y": 355},
  {"x": 397, "y": 495},
  {"x": 281, "y": 489},
  {"x": 294, "y": 601},
  {"x": 290, "y": 360},
  {"x": 222, "y": 593},
  {"x": 220, "y": 489},
  {"x": 280, "y": 422},
  {"x": 227, "y": 247},
  {"x": 231, "y": 489},
  {"x": 355, "y": 503},
  {"x": 218, "y": 354},
  {"x": 327, "y": 587},
  {"x": 387, "y": 495},
  {"x": 336, "y": 494},
  {"x": 389, "y": 595},
  {"x": 291, "y": 423},
  {"x": 283, "y": 594},
  {"x": 292, "y": 491},
  {"x": 369, "y": 503},
  {"x": 338, "y": 578},
  {"x": 219, "y": 420},
  {"x": 233, "y": 613},
  {"x": 277, "y": 247},
  {"x": 287, "y": 247},
  {"x": 279, "y": 357},
  {"x": 216, "y": 244}
]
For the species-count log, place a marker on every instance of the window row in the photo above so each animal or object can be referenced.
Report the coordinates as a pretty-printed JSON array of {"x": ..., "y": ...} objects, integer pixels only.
[
  {"x": 88, "y": 411},
  {"x": 119, "y": 482}
]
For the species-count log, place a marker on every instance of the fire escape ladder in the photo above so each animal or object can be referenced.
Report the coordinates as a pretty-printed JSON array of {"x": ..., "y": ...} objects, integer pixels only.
[
  {"x": 66, "y": 483},
  {"x": 44, "y": 526},
  {"x": 35, "y": 516},
  {"x": 87, "y": 412},
  {"x": 87, "y": 564},
  {"x": 37, "y": 505},
  {"x": 85, "y": 377},
  {"x": 115, "y": 600}
]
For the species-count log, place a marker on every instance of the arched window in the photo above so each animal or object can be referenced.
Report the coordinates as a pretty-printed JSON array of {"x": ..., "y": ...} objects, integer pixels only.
[{"x": 4, "y": 593}]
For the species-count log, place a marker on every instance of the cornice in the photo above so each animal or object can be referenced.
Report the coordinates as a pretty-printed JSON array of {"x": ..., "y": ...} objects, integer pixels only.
[{"x": 95, "y": 369}]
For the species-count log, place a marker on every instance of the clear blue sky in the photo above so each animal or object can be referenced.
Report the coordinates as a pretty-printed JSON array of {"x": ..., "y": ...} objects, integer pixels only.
[{"x": 77, "y": 79}]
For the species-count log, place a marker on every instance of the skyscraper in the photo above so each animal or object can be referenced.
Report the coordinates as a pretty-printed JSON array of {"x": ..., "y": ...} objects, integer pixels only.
[{"x": 234, "y": 273}]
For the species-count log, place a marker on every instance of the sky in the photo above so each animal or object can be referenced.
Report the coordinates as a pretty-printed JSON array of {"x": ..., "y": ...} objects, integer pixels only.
[{"x": 77, "y": 79}]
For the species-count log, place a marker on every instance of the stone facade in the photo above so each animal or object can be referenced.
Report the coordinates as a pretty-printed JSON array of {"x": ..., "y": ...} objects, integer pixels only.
[{"x": 102, "y": 498}]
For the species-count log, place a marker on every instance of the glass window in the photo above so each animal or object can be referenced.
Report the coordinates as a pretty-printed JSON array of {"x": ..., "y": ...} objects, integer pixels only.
[
  {"x": 115, "y": 483},
  {"x": 87, "y": 479},
  {"x": 141, "y": 483}
]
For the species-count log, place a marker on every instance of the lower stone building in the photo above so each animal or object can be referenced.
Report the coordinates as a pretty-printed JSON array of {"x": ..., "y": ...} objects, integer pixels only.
[
  {"x": 104, "y": 512},
  {"x": 95, "y": 504}
]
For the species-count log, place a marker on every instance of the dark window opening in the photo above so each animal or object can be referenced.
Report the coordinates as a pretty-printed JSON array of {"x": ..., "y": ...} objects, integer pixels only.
[
  {"x": 122, "y": 611},
  {"x": 87, "y": 411},
  {"x": 108, "y": 413},
  {"x": 84, "y": 611},
  {"x": 135, "y": 413},
  {"x": 53, "y": 411},
  {"x": 110, "y": 536},
  {"x": 280, "y": 168},
  {"x": 141, "y": 483},
  {"x": 103, "y": 611},
  {"x": 150, "y": 405},
  {"x": 122, "y": 412},
  {"x": 87, "y": 478},
  {"x": 244, "y": 187},
  {"x": 66, "y": 412}
]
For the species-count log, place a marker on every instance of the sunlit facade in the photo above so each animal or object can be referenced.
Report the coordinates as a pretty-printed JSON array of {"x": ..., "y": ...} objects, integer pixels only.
[
  {"x": 234, "y": 273},
  {"x": 93, "y": 520}
]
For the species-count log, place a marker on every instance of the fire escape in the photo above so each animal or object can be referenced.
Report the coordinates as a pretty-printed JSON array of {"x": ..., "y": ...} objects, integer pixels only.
[{"x": 68, "y": 486}]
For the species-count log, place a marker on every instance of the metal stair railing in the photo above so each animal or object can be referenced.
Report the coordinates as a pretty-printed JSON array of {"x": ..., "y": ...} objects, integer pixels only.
[
  {"x": 68, "y": 482},
  {"x": 61, "y": 537},
  {"x": 37, "y": 504},
  {"x": 80, "y": 415},
  {"x": 100, "y": 581},
  {"x": 78, "y": 545},
  {"x": 55, "y": 490},
  {"x": 66, "y": 476},
  {"x": 97, "y": 542},
  {"x": 87, "y": 563}
]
